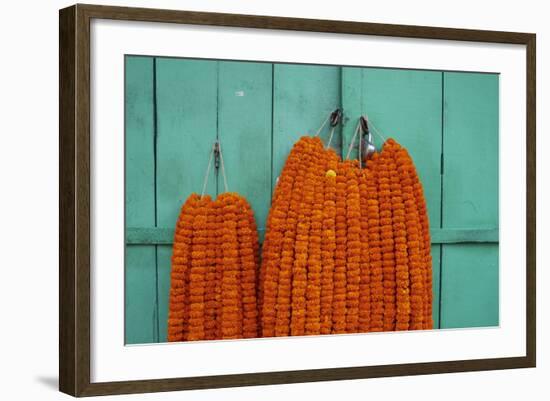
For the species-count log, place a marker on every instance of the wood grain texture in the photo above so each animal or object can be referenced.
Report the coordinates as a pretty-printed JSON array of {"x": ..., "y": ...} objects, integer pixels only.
[
  {"x": 75, "y": 213},
  {"x": 67, "y": 186}
]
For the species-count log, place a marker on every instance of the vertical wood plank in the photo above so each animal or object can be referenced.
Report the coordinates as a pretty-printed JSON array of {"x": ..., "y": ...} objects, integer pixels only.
[
  {"x": 352, "y": 103},
  {"x": 186, "y": 130},
  {"x": 470, "y": 198},
  {"x": 244, "y": 130},
  {"x": 140, "y": 267},
  {"x": 407, "y": 106},
  {"x": 303, "y": 98}
]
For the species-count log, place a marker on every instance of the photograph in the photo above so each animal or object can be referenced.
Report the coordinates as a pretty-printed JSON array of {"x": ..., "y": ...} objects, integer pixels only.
[
  {"x": 254, "y": 200},
  {"x": 270, "y": 199}
]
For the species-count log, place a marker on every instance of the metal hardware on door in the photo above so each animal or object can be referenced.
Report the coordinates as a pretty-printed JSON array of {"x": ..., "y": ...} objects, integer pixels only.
[
  {"x": 335, "y": 117},
  {"x": 366, "y": 144}
]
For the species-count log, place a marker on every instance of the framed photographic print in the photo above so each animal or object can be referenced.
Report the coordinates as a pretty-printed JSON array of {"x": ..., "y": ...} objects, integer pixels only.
[{"x": 250, "y": 200}]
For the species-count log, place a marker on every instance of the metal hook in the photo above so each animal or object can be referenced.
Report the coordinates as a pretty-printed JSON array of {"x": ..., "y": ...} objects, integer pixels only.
[
  {"x": 366, "y": 143},
  {"x": 335, "y": 117}
]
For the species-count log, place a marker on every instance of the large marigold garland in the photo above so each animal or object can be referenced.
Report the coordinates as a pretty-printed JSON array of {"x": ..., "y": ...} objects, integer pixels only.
[
  {"x": 314, "y": 268},
  {"x": 328, "y": 244},
  {"x": 386, "y": 195},
  {"x": 272, "y": 256},
  {"x": 290, "y": 245},
  {"x": 302, "y": 244},
  {"x": 340, "y": 254},
  {"x": 414, "y": 231},
  {"x": 365, "y": 268},
  {"x": 375, "y": 252},
  {"x": 402, "y": 283}
]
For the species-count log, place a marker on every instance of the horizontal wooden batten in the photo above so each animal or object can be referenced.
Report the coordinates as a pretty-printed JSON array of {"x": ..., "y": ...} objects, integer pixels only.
[{"x": 159, "y": 235}]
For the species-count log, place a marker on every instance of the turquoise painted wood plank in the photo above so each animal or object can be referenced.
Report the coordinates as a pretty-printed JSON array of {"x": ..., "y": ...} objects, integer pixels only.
[
  {"x": 352, "y": 103},
  {"x": 140, "y": 311},
  {"x": 470, "y": 286},
  {"x": 407, "y": 106},
  {"x": 186, "y": 130},
  {"x": 470, "y": 198},
  {"x": 303, "y": 97},
  {"x": 165, "y": 235},
  {"x": 244, "y": 131}
]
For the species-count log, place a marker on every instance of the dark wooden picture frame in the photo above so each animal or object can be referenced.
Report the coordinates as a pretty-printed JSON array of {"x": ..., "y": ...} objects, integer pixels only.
[{"x": 74, "y": 199}]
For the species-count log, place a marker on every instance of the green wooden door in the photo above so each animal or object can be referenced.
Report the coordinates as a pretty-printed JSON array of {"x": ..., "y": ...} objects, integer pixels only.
[{"x": 176, "y": 108}]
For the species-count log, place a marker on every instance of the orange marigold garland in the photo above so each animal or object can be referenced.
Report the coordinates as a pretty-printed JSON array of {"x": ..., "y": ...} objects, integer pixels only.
[
  {"x": 375, "y": 253},
  {"x": 353, "y": 251},
  {"x": 301, "y": 245},
  {"x": 181, "y": 257},
  {"x": 248, "y": 240},
  {"x": 385, "y": 196},
  {"x": 346, "y": 249},
  {"x": 214, "y": 266},
  {"x": 210, "y": 296},
  {"x": 328, "y": 244},
  {"x": 340, "y": 254},
  {"x": 288, "y": 252},
  {"x": 197, "y": 274},
  {"x": 413, "y": 227},
  {"x": 365, "y": 269},
  {"x": 231, "y": 312},
  {"x": 402, "y": 300},
  {"x": 272, "y": 256},
  {"x": 314, "y": 267}
]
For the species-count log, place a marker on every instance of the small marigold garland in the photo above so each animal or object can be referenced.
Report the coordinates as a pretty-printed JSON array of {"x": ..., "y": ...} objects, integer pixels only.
[
  {"x": 340, "y": 254},
  {"x": 247, "y": 250},
  {"x": 197, "y": 274},
  {"x": 210, "y": 296},
  {"x": 181, "y": 257},
  {"x": 214, "y": 265},
  {"x": 231, "y": 306},
  {"x": 353, "y": 251}
]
